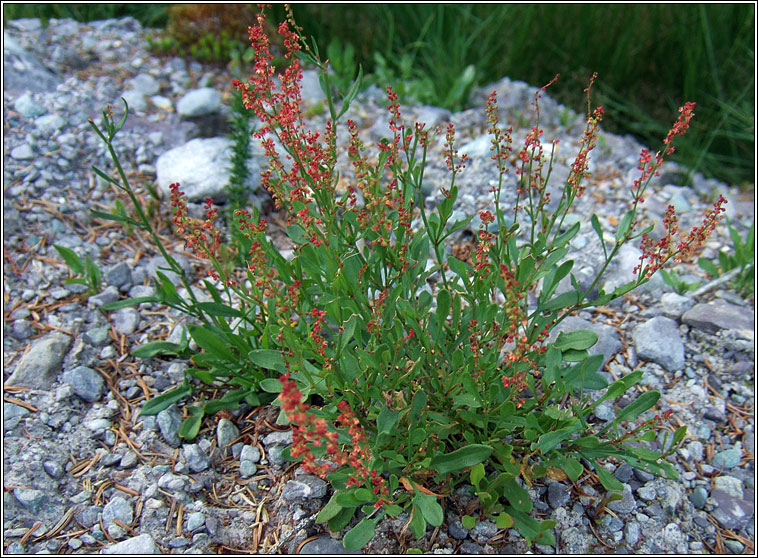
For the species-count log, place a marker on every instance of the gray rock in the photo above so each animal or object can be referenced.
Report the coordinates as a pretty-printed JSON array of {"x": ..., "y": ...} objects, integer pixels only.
[
  {"x": 699, "y": 497},
  {"x": 142, "y": 544},
  {"x": 32, "y": 499},
  {"x": 38, "y": 368},
  {"x": 22, "y": 329},
  {"x": 719, "y": 314},
  {"x": 695, "y": 449},
  {"x": 171, "y": 481},
  {"x": 627, "y": 504},
  {"x": 658, "y": 340},
  {"x": 169, "y": 421},
  {"x": 325, "y": 545},
  {"x": 16, "y": 548},
  {"x": 211, "y": 525},
  {"x": 134, "y": 99},
  {"x": 727, "y": 459},
  {"x": 311, "y": 91},
  {"x": 195, "y": 521},
  {"x": 304, "y": 486},
  {"x": 108, "y": 295},
  {"x": 632, "y": 533},
  {"x": 11, "y": 411},
  {"x": 22, "y": 71},
  {"x": 53, "y": 469},
  {"x": 226, "y": 434},
  {"x": 483, "y": 531},
  {"x": 278, "y": 438},
  {"x": 432, "y": 116},
  {"x": 128, "y": 460},
  {"x": 200, "y": 166},
  {"x": 85, "y": 382},
  {"x": 97, "y": 337},
  {"x": 247, "y": 469},
  {"x": 145, "y": 84},
  {"x": 574, "y": 541},
  {"x": 158, "y": 264},
  {"x": 604, "y": 412},
  {"x": 730, "y": 485},
  {"x": 196, "y": 458},
  {"x": 456, "y": 529},
  {"x": 118, "y": 508},
  {"x": 26, "y": 106},
  {"x": 178, "y": 542},
  {"x": 647, "y": 492},
  {"x": 119, "y": 275},
  {"x": 624, "y": 473},
  {"x": 126, "y": 320},
  {"x": 715, "y": 414},
  {"x": 732, "y": 513},
  {"x": 49, "y": 124},
  {"x": 274, "y": 455},
  {"x": 199, "y": 102},
  {"x": 558, "y": 495},
  {"x": 250, "y": 453},
  {"x": 674, "y": 305}
]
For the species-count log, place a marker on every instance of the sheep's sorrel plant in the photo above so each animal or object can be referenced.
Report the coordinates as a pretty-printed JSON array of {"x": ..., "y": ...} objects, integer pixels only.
[{"x": 429, "y": 372}]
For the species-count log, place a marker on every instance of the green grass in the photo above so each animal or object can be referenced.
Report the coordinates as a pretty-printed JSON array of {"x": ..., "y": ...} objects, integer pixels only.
[{"x": 650, "y": 59}]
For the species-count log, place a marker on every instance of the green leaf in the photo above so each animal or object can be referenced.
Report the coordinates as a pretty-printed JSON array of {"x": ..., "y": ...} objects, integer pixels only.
[
  {"x": 72, "y": 260},
  {"x": 105, "y": 177},
  {"x": 504, "y": 521},
  {"x": 341, "y": 519},
  {"x": 550, "y": 440},
  {"x": 517, "y": 496},
  {"x": 577, "y": 340},
  {"x": 679, "y": 434},
  {"x": 386, "y": 420},
  {"x": 352, "y": 92},
  {"x": 430, "y": 508},
  {"x": 568, "y": 235},
  {"x": 623, "y": 289},
  {"x": 561, "y": 301},
  {"x": 216, "y": 309},
  {"x": 359, "y": 536},
  {"x": 127, "y": 302},
  {"x": 149, "y": 350},
  {"x": 477, "y": 474},
  {"x": 165, "y": 400},
  {"x": 459, "y": 268},
  {"x": 572, "y": 467},
  {"x": 330, "y": 510},
  {"x": 202, "y": 375},
  {"x": 608, "y": 481},
  {"x": 211, "y": 343},
  {"x": 468, "y": 521},
  {"x": 271, "y": 385},
  {"x": 417, "y": 523},
  {"x": 191, "y": 425},
  {"x": 269, "y": 359},
  {"x": 467, "y": 456},
  {"x": 624, "y": 226},
  {"x": 644, "y": 402},
  {"x": 708, "y": 266},
  {"x": 117, "y": 218},
  {"x": 418, "y": 404},
  {"x": 598, "y": 229}
]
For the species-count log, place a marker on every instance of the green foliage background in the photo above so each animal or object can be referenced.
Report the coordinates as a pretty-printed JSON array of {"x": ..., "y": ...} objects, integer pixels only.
[{"x": 650, "y": 59}]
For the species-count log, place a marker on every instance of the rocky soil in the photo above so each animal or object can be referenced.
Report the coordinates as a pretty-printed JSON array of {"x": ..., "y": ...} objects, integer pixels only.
[{"x": 84, "y": 473}]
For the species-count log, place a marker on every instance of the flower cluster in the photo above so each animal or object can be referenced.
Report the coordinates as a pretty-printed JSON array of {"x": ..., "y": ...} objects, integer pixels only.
[
  {"x": 310, "y": 432},
  {"x": 657, "y": 253}
]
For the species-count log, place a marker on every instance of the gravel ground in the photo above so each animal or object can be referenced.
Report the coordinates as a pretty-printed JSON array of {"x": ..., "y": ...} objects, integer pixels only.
[{"x": 83, "y": 473}]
